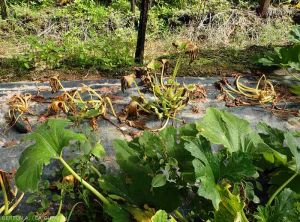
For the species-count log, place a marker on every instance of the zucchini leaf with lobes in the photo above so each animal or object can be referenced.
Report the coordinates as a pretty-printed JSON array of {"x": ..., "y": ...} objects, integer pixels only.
[
  {"x": 49, "y": 140},
  {"x": 212, "y": 167},
  {"x": 151, "y": 168},
  {"x": 235, "y": 134},
  {"x": 231, "y": 207}
]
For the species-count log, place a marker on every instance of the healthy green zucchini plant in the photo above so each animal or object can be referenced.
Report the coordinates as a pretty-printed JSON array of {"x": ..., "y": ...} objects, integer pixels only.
[
  {"x": 217, "y": 169},
  {"x": 50, "y": 140},
  {"x": 287, "y": 57}
]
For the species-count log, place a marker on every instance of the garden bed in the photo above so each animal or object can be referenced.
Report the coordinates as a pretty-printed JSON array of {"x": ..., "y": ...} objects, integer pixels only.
[{"x": 110, "y": 129}]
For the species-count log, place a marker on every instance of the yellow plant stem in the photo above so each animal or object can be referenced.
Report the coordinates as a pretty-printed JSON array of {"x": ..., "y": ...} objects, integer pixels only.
[
  {"x": 264, "y": 95},
  {"x": 2, "y": 209},
  {"x": 258, "y": 83},
  {"x": 164, "y": 126},
  {"x": 111, "y": 106},
  {"x": 16, "y": 203},
  {"x": 5, "y": 198},
  {"x": 92, "y": 93},
  {"x": 65, "y": 91}
]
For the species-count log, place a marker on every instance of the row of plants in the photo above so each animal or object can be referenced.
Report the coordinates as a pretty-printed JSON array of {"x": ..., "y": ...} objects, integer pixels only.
[
  {"x": 287, "y": 58},
  {"x": 158, "y": 96},
  {"x": 215, "y": 169},
  {"x": 100, "y": 52}
]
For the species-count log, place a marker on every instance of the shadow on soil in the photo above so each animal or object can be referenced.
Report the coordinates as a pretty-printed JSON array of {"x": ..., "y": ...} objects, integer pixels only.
[{"x": 209, "y": 62}]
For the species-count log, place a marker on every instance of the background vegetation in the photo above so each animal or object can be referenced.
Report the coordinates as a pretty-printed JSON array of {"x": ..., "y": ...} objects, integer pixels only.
[{"x": 100, "y": 36}]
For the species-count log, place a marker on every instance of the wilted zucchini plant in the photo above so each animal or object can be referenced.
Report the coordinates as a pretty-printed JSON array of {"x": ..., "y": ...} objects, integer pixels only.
[
  {"x": 168, "y": 96},
  {"x": 216, "y": 169}
]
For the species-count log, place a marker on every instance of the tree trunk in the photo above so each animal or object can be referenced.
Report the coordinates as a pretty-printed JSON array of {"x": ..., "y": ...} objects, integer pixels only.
[
  {"x": 132, "y": 9},
  {"x": 140, "y": 46},
  {"x": 263, "y": 8},
  {"x": 3, "y": 9},
  {"x": 132, "y": 6}
]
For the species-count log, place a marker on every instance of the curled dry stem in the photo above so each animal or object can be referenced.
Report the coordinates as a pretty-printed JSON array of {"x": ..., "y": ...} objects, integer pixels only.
[
  {"x": 263, "y": 93},
  {"x": 18, "y": 105},
  {"x": 73, "y": 101}
]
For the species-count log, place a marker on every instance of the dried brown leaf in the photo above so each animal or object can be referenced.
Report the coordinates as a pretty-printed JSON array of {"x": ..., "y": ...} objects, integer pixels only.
[
  {"x": 93, "y": 123},
  {"x": 199, "y": 94},
  {"x": 127, "y": 81},
  {"x": 139, "y": 124},
  {"x": 55, "y": 83},
  {"x": 10, "y": 143},
  {"x": 38, "y": 99}
]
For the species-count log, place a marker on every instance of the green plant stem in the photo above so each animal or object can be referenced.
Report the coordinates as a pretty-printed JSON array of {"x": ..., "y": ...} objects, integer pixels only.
[
  {"x": 84, "y": 183},
  {"x": 176, "y": 68},
  {"x": 156, "y": 79},
  {"x": 73, "y": 208},
  {"x": 60, "y": 202},
  {"x": 16, "y": 204},
  {"x": 138, "y": 88},
  {"x": 244, "y": 217},
  {"x": 179, "y": 216},
  {"x": 96, "y": 171},
  {"x": 296, "y": 77},
  {"x": 162, "y": 76},
  {"x": 5, "y": 198},
  {"x": 281, "y": 188},
  {"x": 292, "y": 74}
]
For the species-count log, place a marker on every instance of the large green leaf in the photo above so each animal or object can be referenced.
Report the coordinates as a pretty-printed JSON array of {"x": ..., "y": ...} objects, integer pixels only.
[
  {"x": 286, "y": 57},
  {"x": 231, "y": 207},
  {"x": 285, "y": 208},
  {"x": 117, "y": 213},
  {"x": 162, "y": 216},
  {"x": 294, "y": 34},
  {"x": 295, "y": 89},
  {"x": 49, "y": 140},
  {"x": 207, "y": 169},
  {"x": 272, "y": 136},
  {"x": 211, "y": 167},
  {"x": 237, "y": 167},
  {"x": 57, "y": 218},
  {"x": 152, "y": 165},
  {"x": 293, "y": 144},
  {"x": 235, "y": 134}
]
